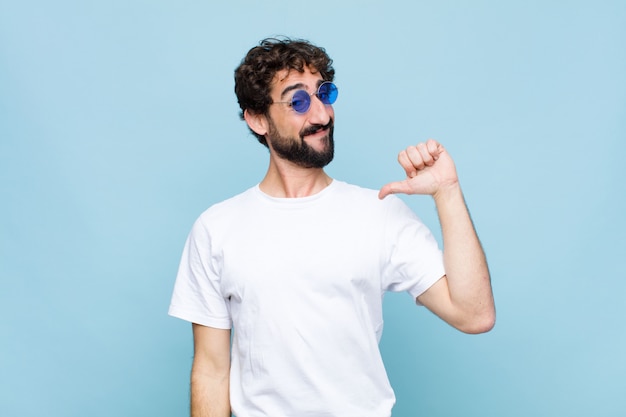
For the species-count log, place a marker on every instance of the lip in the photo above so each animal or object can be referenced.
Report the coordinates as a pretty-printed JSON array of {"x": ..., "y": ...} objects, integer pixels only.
[{"x": 319, "y": 134}]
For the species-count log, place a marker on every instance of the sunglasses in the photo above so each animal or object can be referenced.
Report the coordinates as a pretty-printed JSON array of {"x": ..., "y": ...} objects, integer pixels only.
[{"x": 301, "y": 100}]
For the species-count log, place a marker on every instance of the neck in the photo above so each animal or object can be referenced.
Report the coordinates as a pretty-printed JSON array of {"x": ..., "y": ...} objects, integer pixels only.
[{"x": 288, "y": 180}]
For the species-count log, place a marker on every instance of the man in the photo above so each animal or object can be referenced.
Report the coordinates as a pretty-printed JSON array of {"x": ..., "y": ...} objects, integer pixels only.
[{"x": 298, "y": 264}]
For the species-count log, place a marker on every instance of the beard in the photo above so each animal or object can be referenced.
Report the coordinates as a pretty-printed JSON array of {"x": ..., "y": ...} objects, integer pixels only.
[{"x": 299, "y": 152}]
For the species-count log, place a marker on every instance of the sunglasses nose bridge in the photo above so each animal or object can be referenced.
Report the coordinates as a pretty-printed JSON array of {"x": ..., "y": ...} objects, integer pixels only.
[{"x": 318, "y": 110}]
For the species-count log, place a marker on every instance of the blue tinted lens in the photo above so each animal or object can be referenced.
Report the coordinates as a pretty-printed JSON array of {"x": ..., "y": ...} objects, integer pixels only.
[
  {"x": 301, "y": 101},
  {"x": 327, "y": 93}
]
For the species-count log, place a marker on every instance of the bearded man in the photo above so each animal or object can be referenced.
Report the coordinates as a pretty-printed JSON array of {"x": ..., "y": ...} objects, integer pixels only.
[{"x": 297, "y": 265}]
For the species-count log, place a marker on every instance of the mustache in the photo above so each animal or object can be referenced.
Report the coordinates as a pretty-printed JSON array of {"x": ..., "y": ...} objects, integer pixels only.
[{"x": 316, "y": 128}]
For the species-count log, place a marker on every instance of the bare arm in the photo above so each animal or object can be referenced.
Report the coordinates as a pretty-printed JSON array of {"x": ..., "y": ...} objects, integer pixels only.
[
  {"x": 463, "y": 298},
  {"x": 210, "y": 373}
]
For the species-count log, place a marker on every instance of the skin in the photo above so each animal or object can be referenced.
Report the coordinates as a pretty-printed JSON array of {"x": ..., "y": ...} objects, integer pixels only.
[
  {"x": 285, "y": 178},
  {"x": 462, "y": 298},
  {"x": 210, "y": 372}
]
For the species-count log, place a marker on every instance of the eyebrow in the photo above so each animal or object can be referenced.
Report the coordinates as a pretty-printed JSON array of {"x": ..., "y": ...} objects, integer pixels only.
[
  {"x": 298, "y": 86},
  {"x": 291, "y": 88}
]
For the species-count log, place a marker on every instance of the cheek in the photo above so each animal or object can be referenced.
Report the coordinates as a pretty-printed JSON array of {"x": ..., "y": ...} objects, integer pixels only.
[{"x": 288, "y": 127}]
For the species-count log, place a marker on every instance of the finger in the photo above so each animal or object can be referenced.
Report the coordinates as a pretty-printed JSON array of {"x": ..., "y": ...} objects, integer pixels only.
[
  {"x": 406, "y": 163},
  {"x": 424, "y": 151},
  {"x": 415, "y": 156},
  {"x": 394, "y": 188},
  {"x": 434, "y": 148}
]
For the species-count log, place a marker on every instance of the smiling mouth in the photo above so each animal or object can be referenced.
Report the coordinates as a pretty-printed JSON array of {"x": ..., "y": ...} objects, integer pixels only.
[
  {"x": 312, "y": 130},
  {"x": 323, "y": 130}
]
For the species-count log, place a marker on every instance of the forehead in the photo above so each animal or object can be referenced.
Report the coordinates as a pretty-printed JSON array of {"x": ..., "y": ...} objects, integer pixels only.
[{"x": 310, "y": 78}]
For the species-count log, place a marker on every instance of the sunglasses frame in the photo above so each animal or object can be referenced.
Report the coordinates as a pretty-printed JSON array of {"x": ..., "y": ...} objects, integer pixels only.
[{"x": 302, "y": 95}]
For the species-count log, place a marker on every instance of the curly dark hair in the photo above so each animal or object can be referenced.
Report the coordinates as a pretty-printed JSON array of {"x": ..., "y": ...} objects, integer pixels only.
[{"x": 253, "y": 77}]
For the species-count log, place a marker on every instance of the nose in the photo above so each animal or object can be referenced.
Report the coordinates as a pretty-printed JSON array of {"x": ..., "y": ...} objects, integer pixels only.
[{"x": 319, "y": 113}]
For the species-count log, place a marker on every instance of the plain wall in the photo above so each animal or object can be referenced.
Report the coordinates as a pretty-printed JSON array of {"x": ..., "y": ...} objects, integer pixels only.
[{"x": 119, "y": 126}]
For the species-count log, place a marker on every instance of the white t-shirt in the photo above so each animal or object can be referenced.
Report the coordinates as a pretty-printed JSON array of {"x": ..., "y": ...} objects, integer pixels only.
[{"x": 301, "y": 280}]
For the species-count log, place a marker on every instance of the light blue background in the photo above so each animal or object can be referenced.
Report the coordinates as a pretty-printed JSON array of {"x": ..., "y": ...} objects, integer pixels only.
[{"x": 118, "y": 126}]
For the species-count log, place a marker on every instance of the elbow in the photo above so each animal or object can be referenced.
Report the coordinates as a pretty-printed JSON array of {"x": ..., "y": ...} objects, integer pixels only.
[{"x": 478, "y": 324}]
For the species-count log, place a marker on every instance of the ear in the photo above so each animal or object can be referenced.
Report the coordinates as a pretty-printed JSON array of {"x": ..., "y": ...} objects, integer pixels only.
[{"x": 256, "y": 122}]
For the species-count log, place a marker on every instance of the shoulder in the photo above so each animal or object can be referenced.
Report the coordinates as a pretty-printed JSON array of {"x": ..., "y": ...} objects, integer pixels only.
[
  {"x": 368, "y": 197},
  {"x": 351, "y": 191},
  {"x": 220, "y": 213},
  {"x": 235, "y": 202}
]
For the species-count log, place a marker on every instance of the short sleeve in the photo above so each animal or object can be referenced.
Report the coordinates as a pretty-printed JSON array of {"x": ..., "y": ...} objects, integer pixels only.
[
  {"x": 197, "y": 296},
  {"x": 414, "y": 261}
]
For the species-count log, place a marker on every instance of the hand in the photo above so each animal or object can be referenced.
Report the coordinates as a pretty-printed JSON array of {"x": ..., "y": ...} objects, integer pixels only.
[{"x": 428, "y": 167}]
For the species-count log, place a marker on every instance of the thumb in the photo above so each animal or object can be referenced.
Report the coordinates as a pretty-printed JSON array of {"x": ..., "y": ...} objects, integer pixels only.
[{"x": 393, "y": 188}]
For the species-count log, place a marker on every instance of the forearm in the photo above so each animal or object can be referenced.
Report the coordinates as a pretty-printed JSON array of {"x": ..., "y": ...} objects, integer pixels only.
[
  {"x": 466, "y": 267},
  {"x": 210, "y": 372},
  {"x": 209, "y": 393}
]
